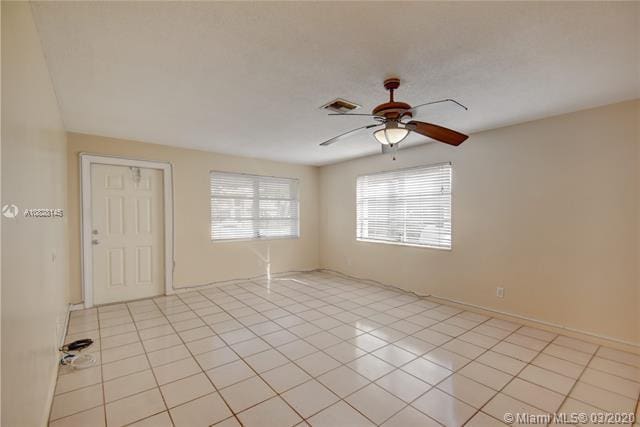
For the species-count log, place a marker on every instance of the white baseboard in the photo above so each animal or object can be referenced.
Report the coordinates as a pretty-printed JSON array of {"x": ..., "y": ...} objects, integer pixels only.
[
  {"x": 66, "y": 325},
  {"x": 76, "y": 307},
  {"x": 51, "y": 393},
  {"x": 54, "y": 381},
  {"x": 554, "y": 327},
  {"x": 550, "y": 326},
  {"x": 191, "y": 287}
]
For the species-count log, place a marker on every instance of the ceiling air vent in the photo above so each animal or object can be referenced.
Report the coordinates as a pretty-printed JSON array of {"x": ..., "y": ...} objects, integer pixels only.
[{"x": 340, "y": 105}]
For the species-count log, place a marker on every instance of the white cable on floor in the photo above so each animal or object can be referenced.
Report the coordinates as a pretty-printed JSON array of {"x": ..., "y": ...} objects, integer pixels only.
[{"x": 84, "y": 361}]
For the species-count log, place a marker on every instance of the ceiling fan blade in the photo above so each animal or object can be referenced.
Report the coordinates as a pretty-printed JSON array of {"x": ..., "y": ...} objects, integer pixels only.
[
  {"x": 354, "y": 114},
  {"x": 349, "y": 133},
  {"x": 438, "y": 102},
  {"x": 436, "y": 132}
]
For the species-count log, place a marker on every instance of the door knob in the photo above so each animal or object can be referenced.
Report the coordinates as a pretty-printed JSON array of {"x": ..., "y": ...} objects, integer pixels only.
[{"x": 95, "y": 242}]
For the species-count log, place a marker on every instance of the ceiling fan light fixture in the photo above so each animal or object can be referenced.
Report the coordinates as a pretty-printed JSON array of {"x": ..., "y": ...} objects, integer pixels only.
[
  {"x": 389, "y": 114},
  {"x": 391, "y": 134}
]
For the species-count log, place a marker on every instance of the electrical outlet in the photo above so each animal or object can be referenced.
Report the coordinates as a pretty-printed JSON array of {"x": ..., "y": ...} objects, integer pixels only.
[{"x": 500, "y": 292}]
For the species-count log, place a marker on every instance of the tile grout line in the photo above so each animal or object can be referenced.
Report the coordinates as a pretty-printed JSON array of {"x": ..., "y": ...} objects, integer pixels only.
[
  {"x": 503, "y": 340},
  {"x": 431, "y": 386},
  {"x": 104, "y": 401},
  {"x": 472, "y": 360},
  {"x": 301, "y": 297},
  {"x": 239, "y": 358},
  {"x": 511, "y": 380},
  {"x": 441, "y": 346},
  {"x": 345, "y": 364},
  {"x": 453, "y": 372},
  {"x": 50, "y": 420},
  {"x": 271, "y": 348},
  {"x": 202, "y": 370},
  {"x": 586, "y": 366},
  {"x": 293, "y": 361},
  {"x": 578, "y": 379},
  {"x": 157, "y": 385},
  {"x": 313, "y": 378},
  {"x": 155, "y": 378},
  {"x": 370, "y": 382},
  {"x": 142, "y": 370},
  {"x": 122, "y": 376},
  {"x": 395, "y": 368},
  {"x": 538, "y": 352},
  {"x": 475, "y": 359}
]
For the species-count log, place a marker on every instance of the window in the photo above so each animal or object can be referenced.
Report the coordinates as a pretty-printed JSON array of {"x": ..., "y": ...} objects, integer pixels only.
[
  {"x": 408, "y": 206},
  {"x": 253, "y": 207}
]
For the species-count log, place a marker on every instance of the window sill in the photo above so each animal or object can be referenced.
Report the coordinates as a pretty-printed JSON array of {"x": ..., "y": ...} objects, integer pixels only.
[
  {"x": 255, "y": 239},
  {"x": 438, "y": 248}
]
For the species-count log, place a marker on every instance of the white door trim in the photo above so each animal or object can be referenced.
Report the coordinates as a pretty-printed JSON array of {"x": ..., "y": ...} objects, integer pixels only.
[{"x": 86, "y": 160}]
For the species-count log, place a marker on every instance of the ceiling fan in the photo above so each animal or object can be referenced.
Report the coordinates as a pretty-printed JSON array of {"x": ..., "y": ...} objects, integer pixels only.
[{"x": 392, "y": 115}]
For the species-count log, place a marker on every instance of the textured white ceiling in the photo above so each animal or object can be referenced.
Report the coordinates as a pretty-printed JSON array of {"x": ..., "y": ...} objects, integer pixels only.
[{"x": 247, "y": 78}]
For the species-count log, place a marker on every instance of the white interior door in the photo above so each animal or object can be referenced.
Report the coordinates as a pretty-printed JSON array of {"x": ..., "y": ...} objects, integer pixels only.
[{"x": 127, "y": 233}]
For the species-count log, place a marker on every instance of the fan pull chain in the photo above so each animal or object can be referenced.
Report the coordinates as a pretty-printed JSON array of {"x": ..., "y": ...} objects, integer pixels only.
[{"x": 394, "y": 150}]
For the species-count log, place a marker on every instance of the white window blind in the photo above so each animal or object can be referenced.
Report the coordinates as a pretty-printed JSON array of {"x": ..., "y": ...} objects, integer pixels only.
[
  {"x": 253, "y": 207},
  {"x": 408, "y": 206}
]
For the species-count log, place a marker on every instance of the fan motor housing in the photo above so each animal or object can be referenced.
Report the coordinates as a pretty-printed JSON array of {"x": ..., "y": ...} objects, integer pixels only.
[{"x": 392, "y": 110}]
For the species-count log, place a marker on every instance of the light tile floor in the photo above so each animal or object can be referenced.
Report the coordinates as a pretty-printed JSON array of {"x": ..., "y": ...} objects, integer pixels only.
[{"x": 324, "y": 350}]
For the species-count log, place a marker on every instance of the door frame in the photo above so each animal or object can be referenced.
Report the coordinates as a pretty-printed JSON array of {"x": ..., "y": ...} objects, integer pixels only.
[{"x": 86, "y": 160}]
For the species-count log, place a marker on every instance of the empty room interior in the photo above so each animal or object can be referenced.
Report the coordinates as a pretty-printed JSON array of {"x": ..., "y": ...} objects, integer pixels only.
[{"x": 331, "y": 214}]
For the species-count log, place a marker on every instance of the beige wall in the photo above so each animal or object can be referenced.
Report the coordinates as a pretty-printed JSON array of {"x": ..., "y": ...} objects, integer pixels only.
[
  {"x": 549, "y": 210},
  {"x": 198, "y": 259},
  {"x": 34, "y": 261},
  {"x": 637, "y": 119}
]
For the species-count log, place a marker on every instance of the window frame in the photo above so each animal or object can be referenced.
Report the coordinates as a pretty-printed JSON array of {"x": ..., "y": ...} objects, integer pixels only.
[
  {"x": 260, "y": 238},
  {"x": 411, "y": 245}
]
